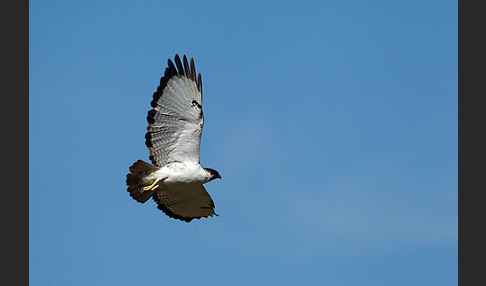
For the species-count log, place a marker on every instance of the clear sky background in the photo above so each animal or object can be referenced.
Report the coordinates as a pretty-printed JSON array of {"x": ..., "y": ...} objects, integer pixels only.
[{"x": 332, "y": 123}]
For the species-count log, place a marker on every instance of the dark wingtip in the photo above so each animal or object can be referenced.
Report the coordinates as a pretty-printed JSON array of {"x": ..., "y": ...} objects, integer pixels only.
[
  {"x": 171, "y": 65},
  {"x": 178, "y": 62},
  {"x": 187, "y": 70},
  {"x": 193, "y": 70},
  {"x": 199, "y": 82}
]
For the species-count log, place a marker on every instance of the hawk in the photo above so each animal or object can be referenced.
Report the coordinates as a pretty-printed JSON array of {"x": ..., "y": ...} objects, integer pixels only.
[{"x": 175, "y": 178}]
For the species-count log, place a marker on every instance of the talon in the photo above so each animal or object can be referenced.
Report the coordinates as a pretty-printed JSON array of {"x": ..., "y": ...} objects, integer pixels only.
[{"x": 148, "y": 188}]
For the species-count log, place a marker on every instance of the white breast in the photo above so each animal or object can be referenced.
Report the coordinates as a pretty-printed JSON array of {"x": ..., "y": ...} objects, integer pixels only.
[{"x": 182, "y": 173}]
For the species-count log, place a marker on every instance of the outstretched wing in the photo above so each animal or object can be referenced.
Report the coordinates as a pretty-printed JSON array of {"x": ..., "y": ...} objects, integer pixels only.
[
  {"x": 184, "y": 202},
  {"x": 176, "y": 118}
]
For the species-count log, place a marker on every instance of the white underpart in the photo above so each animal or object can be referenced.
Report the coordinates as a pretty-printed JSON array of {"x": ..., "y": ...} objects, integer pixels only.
[{"x": 181, "y": 173}]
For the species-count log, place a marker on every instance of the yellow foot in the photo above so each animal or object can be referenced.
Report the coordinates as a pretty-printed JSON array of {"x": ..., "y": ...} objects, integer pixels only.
[{"x": 148, "y": 188}]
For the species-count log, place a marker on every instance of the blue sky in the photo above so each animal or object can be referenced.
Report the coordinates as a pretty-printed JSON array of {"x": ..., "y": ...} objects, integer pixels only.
[{"x": 333, "y": 124}]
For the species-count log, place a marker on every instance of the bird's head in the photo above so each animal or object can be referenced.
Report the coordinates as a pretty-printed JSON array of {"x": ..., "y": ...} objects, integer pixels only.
[{"x": 213, "y": 174}]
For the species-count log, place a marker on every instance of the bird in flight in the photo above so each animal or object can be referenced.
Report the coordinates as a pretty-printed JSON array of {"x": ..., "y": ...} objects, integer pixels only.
[{"x": 175, "y": 178}]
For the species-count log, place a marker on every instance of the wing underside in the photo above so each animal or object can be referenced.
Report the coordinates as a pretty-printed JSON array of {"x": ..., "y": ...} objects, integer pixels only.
[{"x": 176, "y": 119}]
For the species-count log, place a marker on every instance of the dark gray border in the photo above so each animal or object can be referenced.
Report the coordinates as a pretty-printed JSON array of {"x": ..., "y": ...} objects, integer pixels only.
[
  {"x": 14, "y": 213},
  {"x": 472, "y": 143}
]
